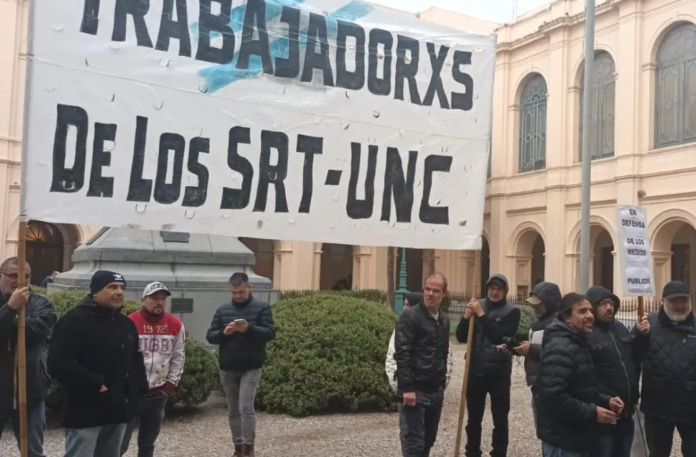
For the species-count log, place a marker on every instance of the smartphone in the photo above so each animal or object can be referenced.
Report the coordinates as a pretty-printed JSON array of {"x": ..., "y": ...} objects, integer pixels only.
[{"x": 239, "y": 321}]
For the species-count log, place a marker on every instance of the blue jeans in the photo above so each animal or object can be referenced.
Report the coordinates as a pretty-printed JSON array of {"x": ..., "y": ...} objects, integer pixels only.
[
  {"x": 36, "y": 421},
  {"x": 553, "y": 451},
  {"x": 615, "y": 440},
  {"x": 104, "y": 441},
  {"x": 148, "y": 423}
]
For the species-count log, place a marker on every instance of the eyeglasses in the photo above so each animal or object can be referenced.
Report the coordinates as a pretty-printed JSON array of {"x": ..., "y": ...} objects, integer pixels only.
[{"x": 15, "y": 275}]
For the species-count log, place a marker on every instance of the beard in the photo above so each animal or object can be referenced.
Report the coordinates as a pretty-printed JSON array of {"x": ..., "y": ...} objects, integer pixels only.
[{"x": 677, "y": 317}]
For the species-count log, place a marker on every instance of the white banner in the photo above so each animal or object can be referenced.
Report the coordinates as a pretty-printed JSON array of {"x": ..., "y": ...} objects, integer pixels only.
[
  {"x": 321, "y": 120},
  {"x": 634, "y": 252}
]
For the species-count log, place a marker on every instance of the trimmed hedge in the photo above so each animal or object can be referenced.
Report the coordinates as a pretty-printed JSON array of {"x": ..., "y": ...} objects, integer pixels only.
[
  {"x": 201, "y": 375},
  {"x": 328, "y": 356},
  {"x": 527, "y": 319},
  {"x": 373, "y": 295}
]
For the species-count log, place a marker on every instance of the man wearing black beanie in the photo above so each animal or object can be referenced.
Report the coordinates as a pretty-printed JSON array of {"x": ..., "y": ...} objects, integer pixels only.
[{"x": 94, "y": 355}]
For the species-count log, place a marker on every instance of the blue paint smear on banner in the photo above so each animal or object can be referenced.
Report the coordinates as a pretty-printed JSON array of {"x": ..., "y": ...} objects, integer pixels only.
[{"x": 222, "y": 75}]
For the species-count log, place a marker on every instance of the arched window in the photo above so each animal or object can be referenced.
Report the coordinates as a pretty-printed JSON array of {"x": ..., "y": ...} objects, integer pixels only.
[
  {"x": 675, "y": 91},
  {"x": 602, "y": 107},
  {"x": 533, "y": 125}
]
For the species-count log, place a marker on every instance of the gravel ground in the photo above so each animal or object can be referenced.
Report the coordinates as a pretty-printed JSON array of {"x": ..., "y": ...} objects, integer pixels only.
[{"x": 203, "y": 432}]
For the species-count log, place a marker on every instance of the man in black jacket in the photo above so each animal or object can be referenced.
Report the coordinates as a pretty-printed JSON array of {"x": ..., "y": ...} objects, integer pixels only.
[
  {"x": 668, "y": 353},
  {"x": 242, "y": 328},
  {"x": 94, "y": 355},
  {"x": 545, "y": 300},
  {"x": 421, "y": 350},
  {"x": 611, "y": 347},
  {"x": 39, "y": 321},
  {"x": 491, "y": 368},
  {"x": 569, "y": 403}
]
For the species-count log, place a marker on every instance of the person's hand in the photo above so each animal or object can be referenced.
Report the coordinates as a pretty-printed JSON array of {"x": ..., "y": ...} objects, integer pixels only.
[
  {"x": 19, "y": 298},
  {"x": 242, "y": 326},
  {"x": 169, "y": 389},
  {"x": 467, "y": 313},
  {"x": 605, "y": 416},
  {"x": 230, "y": 329},
  {"x": 616, "y": 405},
  {"x": 523, "y": 349},
  {"x": 475, "y": 307},
  {"x": 501, "y": 347},
  {"x": 410, "y": 399},
  {"x": 643, "y": 326},
  {"x": 103, "y": 389}
]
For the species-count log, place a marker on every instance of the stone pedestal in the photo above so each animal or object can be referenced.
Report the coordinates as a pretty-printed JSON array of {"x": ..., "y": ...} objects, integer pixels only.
[{"x": 195, "y": 267}]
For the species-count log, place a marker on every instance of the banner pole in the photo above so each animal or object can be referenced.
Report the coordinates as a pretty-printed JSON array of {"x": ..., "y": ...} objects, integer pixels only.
[
  {"x": 467, "y": 360},
  {"x": 21, "y": 343}
]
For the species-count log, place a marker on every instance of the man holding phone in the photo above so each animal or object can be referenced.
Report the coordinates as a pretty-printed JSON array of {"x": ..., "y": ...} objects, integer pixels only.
[{"x": 242, "y": 327}]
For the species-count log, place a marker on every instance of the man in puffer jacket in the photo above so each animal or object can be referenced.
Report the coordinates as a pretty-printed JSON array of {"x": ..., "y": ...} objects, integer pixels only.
[
  {"x": 491, "y": 368},
  {"x": 611, "y": 347},
  {"x": 545, "y": 300},
  {"x": 569, "y": 403}
]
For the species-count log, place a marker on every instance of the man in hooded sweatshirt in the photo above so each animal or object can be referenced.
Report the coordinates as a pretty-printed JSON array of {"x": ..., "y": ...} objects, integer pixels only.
[
  {"x": 94, "y": 355},
  {"x": 491, "y": 368},
  {"x": 545, "y": 300},
  {"x": 611, "y": 347}
]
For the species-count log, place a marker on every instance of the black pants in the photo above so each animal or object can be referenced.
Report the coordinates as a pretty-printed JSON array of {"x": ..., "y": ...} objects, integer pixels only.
[
  {"x": 418, "y": 424},
  {"x": 499, "y": 389},
  {"x": 148, "y": 423},
  {"x": 660, "y": 434}
]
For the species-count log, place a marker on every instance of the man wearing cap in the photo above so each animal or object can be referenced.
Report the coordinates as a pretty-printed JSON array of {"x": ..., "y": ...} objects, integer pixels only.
[
  {"x": 668, "y": 354},
  {"x": 94, "y": 355},
  {"x": 545, "y": 301},
  {"x": 242, "y": 327},
  {"x": 162, "y": 337},
  {"x": 491, "y": 368},
  {"x": 611, "y": 348}
]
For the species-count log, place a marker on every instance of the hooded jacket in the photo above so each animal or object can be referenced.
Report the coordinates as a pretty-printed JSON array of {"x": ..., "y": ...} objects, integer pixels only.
[
  {"x": 611, "y": 347},
  {"x": 669, "y": 368},
  {"x": 39, "y": 321},
  {"x": 550, "y": 296},
  {"x": 567, "y": 392},
  {"x": 499, "y": 321},
  {"x": 94, "y": 346}
]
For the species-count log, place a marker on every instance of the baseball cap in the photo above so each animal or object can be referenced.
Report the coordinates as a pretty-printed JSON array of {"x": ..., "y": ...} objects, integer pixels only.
[
  {"x": 155, "y": 287},
  {"x": 534, "y": 300},
  {"x": 675, "y": 289}
]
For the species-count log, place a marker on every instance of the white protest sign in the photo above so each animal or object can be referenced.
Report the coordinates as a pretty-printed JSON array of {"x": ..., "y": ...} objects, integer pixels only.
[
  {"x": 634, "y": 252},
  {"x": 324, "y": 120}
]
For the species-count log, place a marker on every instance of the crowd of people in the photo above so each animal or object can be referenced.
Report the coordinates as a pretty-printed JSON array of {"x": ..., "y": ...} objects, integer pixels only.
[
  {"x": 117, "y": 372},
  {"x": 588, "y": 373}
]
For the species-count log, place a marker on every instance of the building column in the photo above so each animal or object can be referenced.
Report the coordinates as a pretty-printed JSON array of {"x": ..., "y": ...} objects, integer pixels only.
[{"x": 662, "y": 261}]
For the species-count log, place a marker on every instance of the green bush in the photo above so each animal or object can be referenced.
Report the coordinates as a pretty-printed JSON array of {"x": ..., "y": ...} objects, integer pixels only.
[
  {"x": 527, "y": 319},
  {"x": 374, "y": 295},
  {"x": 328, "y": 357},
  {"x": 200, "y": 376}
]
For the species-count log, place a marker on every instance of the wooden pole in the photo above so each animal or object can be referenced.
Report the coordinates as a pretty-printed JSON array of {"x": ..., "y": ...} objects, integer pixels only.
[
  {"x": 21, "y": 343},
  {"x": 467, "y": 361},
  {"x": 641, "y": 308}
]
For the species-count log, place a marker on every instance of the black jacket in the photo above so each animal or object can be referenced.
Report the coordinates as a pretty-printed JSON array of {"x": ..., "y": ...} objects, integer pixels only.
[
  {"x": 611, "y": 347},
  {"x": 669, "y": 369},
  {"x": 550, "y": 295},
  {"x": 421, "y": 347},
  {"x": 94, "y": 346},
  {"x": 242, "y": 351},
  {"x": 567, "y": 391},
  {"x": 40, "y": 319},
  {"x": 486, "y": 359}
]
